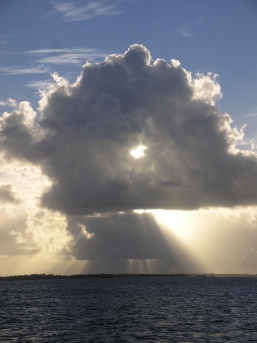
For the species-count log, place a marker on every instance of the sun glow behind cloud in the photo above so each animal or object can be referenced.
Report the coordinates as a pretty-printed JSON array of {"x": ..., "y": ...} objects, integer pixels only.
[
  {"x": 176, "y": 221},
  {"x": 138, "y": 152},
  {"x": 219, "y": 239},
  {"x": 179, "y": 226}
]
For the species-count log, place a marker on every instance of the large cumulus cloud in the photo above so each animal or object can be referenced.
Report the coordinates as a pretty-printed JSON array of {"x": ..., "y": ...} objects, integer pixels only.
[{"x": 85, "y": 131}]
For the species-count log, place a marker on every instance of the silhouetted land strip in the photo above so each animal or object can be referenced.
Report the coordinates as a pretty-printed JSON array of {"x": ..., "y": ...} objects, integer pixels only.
[{"x": 103, "y": 275}]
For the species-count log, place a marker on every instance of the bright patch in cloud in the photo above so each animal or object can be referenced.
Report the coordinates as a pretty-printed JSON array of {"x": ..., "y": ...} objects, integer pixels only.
[
  {"x": 139, "y": 152},
  {"x": 177, "y": 221}
]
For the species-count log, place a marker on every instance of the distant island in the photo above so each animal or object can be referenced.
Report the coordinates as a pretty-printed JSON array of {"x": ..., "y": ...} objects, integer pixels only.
[{"x": 105, "y": 275}]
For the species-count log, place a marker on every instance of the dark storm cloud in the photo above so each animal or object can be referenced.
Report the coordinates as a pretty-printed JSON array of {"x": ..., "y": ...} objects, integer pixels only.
[
  {"x": 83, "y": 138},
  {"x": 123, "y": 237}
]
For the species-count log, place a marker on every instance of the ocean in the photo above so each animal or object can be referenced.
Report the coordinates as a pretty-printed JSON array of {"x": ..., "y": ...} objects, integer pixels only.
[{"x": 129, "y": 309}]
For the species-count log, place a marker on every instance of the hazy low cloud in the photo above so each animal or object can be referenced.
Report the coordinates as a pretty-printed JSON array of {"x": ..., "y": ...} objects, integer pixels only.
[
  {"x": 71, "y": 11},
  {"x": 15, "y": 239},
  {"x": 85, "y": 133}
]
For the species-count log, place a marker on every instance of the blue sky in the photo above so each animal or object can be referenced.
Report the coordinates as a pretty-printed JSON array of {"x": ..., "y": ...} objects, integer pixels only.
[
  {"x": 136, "y": 166},
  {"x": 217, "y": 36}
]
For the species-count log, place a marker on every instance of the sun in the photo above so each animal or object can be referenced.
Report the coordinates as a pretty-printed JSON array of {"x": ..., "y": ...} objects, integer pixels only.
[{"x": 138, "y": 152}]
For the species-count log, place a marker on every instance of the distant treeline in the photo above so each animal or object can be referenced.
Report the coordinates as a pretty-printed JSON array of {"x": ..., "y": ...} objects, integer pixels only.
[
  {"x": 83, "y": 276},
  {"x": 103, "y": 275}
]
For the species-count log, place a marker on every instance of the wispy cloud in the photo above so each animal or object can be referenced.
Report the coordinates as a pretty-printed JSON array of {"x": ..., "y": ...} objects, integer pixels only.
[
  {"x": 39, "y": 84},
  {"x": 253, "y": 113},
  {"x": 8, "y": 38},
  {"x": 43, "y": 59},
  {"x": 66, "y": 56},
  {"x": 71, "y": 12},
  {"x": 4, "y": 39},
  {"x": 23, "y": 70}
]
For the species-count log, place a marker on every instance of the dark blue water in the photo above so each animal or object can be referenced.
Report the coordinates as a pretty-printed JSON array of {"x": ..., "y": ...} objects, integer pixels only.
[{"x": 129, "y": 310}]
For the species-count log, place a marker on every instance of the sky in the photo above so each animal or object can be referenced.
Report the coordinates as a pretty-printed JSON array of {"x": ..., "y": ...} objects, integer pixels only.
[{"x": 128, "y": 138}]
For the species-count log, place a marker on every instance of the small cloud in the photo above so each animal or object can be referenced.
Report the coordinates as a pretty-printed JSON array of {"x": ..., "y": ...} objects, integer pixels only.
[
  {"x": 252, "y": 114},
  {"x": 40, "y": 214},
  {"x": 12, "y": 103},
  {"x": 185, "y": 31},
  {"x": 9, "y": 102},
  {"x": 7, "y": 195},
  {"x": 71, "y": 12}
]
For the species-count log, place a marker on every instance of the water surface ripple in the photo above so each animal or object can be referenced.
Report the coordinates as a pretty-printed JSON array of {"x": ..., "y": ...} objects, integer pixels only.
[{"x": 129, "y": 310}]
